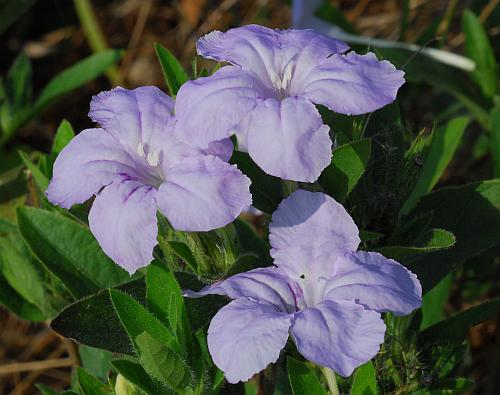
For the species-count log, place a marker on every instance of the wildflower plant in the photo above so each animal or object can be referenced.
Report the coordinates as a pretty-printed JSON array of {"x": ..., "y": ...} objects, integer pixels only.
[{"x": 137, "y": 246}]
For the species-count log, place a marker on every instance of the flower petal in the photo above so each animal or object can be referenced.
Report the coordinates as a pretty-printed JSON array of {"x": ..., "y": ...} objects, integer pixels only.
[
  {"x": 137, "y": 116},
  {"x": 266, "y": 52},
  {"x": 352, "y": 83},
  {"x": 123, "y": 220},
  {"x": 220, "y": 148},
  {"x": 308, "y": 231},
  {"x": 267, "y": 285},
  {"x": 207, "y": 109},
  {"x": 203, "y": 193},
  {"x": 287, "y": 139},
  {"x": 91, "y": 160},
  {"x": 245, "y": 336},
  {"x": 338, "y": 335},
  {"x": 375, "y": 282}
]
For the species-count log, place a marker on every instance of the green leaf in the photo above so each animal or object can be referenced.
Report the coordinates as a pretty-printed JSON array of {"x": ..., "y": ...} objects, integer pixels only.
[
  {"x": 83, "y": 321},
  {"x": 95, "y": 361},
  {"x": 472, "y": 213},
  {"x": 455, "y": 328},
  {"x": 165, "y": 301},
  {"x": 432, "y": 240},
  {"x": 6, "y": 226},
  {"x": 75, "y": 76},
  {"x": 250, "y": 242},
  {"x": 303, "y": 380},
  {"x": 173, "y": 72},
  {"x": 163, "y": 363},
  {"x": 364, "y": 382},
  {"x": 434, "y": 301},
  {"x": 348, "y": 165},
  {"x": 266, "y": 190},
  {"x": 136, "y": 374},
  {"x": 184, "y": 252},
  {"x": 18, "y": 84},
  {"x": 63, "y": 136},
  {"x": 243, "y": 263},
  {"x": 45, "y": 390},
  {"x": 69, "y": 250},
  {"x": 41, "y": 181},
  {"x": 90, "y": 385},
  {"x": 495, "y": 140},
  {"x": 136, "y": 319},
  {"x": 23, "y": 273},
  {"x": 443, "y": 146},
  {"x": 10, "y": 10},
  {"x": 16, "y": 304},
  {"x": 479, "y": 49}
]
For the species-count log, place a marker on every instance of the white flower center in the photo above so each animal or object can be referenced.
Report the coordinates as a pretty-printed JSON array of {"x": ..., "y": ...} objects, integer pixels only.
[
  {"x": 282, "y": 80},
  {"x": 152, "y": 157}
]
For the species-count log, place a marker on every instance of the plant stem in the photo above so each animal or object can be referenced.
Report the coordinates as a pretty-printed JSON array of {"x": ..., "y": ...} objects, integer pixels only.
[
  {"x": 330, "y": 380},
  {"x": 289, "y": 187}
]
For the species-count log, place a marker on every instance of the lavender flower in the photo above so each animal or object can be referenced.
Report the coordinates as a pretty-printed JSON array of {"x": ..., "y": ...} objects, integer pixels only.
[
  {"x": 134, "y": 165},
  {"x": 322, "y": 292},
  {"x": 266, "y": 96}
]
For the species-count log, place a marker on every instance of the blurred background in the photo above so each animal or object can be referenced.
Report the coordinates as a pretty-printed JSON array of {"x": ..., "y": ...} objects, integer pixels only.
[{"x": 56, "y": 34}]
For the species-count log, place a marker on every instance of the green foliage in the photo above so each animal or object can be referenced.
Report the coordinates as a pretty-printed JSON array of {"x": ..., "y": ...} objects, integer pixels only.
[
  {"x": 10, "y": 10},
  {"x": 17, "y": 109},
  {"x": 165, "y": 301},
  {"x": 69, "y": 250},
  {"x": 348, "y": 165},
  {"x": 136, "y": 319},
  {"x": 95, "y": 361},
  {"x": 162, "y": 362},
  {"x": 472, "y": 213},
  {"x": 40, "y": 179},
  {"x": 18, "y": 88},
  {"x": 434, "y": 301},
  {"x": 454, "y": 329},
  {"x": 90, "y": 385},
  {"x": 303, "y": 380},
  {"x": 432, "y": 240},
  {"x": 495, "y": 140},
  {"x": 266, "y": 190},
  {"x": 83, "y": 320},
  {"x": 63, "y": 136},
  {"x": 135, "y": 373},
  {"x": 440, "y": 152},
  {"x": 173, "y": 72},
  {"x": 364, "y": 382},
  {"x": 479, "y": 49}
]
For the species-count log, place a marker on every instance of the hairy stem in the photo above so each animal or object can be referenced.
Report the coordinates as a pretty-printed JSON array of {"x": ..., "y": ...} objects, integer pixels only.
[{"x": 330, "y": 380}]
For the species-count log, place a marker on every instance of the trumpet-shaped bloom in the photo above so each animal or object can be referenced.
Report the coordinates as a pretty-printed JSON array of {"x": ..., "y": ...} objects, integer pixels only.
[
  {"x": 323, "y": 293},
  {"x": 267, "y": 95},
  {"x": 135, "y": 166}
]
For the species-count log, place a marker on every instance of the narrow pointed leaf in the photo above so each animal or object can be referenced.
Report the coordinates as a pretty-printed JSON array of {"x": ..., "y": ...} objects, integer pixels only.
[
  {"x": 442, "y": 148},
  {"x": 136, "y": 319},
  {"x": 173, "y": 72},
  {"x": 454, "y": 329},
  {"x": 63, "y": 136}
]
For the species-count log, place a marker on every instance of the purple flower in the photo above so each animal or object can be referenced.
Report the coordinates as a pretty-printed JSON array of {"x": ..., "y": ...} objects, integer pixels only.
[
  {"x": 323, "y": 293},
  {"x": 136, "y": 166},
  {"x": 266, "y": 96}
]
